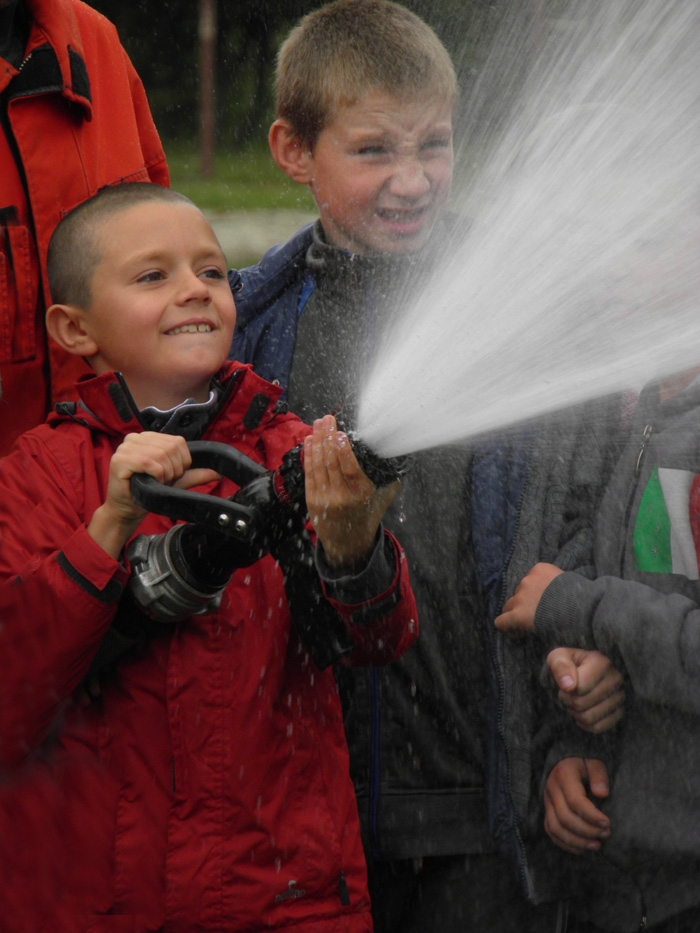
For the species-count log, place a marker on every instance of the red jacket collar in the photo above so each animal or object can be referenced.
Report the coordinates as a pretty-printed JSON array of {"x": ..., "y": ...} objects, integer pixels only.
[{"x": 106, "y": 404}]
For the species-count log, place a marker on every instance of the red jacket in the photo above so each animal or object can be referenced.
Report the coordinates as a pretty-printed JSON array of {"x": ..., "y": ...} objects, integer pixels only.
[
  {"x": 78, "y": 120},
  {"x": 235, "y": 808}
]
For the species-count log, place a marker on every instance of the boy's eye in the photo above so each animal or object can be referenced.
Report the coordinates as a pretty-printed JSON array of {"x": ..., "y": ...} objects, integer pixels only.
[
  {"x": 153, "y": 275},
  {"x": 439, "y": 142},
  {"x": 213, "y": 273},
  {"x": 373, "y": 150}
]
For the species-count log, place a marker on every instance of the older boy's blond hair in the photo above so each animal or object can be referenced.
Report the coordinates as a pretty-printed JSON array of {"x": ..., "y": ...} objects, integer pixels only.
[{"x": 343, "y": 51}]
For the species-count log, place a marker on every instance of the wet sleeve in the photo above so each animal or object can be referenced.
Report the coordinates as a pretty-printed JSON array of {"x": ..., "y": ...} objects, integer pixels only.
[{"x": 653, "y": 637}]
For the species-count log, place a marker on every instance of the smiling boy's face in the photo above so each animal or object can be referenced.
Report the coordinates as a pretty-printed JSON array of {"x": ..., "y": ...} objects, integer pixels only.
[
  {"x": 381, "y": 172},
  {"x": 162, "y": 312}
]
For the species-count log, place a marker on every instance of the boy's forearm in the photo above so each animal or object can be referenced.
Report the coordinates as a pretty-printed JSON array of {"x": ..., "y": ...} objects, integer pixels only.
[{"x": 653, "y": 637}]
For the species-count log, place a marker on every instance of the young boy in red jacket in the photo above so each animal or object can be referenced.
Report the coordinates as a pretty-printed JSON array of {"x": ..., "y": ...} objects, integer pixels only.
[{"x": 234, "y": 807}]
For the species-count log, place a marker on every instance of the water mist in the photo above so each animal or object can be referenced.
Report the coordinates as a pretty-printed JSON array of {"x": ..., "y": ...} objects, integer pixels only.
[{"x": 575, "y": 271}]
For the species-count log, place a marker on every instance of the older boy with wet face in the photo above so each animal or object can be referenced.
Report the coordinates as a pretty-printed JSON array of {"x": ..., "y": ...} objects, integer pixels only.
[{"x": 365, "y": 100}]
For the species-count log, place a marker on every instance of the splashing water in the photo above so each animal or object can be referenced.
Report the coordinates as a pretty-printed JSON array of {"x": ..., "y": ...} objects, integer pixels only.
[{"x": 578, "y": 272}]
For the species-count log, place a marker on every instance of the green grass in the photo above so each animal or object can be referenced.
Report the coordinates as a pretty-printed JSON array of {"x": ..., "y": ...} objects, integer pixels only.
[{"x": 246, "y": 180}]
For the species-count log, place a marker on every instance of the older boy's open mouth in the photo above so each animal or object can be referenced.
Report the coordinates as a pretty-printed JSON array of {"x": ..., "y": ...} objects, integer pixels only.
[
  {"x": 404, "y": 223},
  {"x": 403, "y": 216}
]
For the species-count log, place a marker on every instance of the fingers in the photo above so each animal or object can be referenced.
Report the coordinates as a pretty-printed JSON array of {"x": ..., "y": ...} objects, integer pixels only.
[
  {"x": 344, "y": 505},
  {"x": 563, "y": 669},
  {"x": 197, "y": 477},
  {"x": 590, "y": 687},
  {"x": 316, "y": 472},
  {"x": 596, "y": 716},
  {"x": 598, "y": 779},
  {"x": 572, "y": 820},
  {"x": 515, "y": 619},
  {"x": 596, "y": 670},
  {"x": 333, "y": 462},
  {"x": 519, "y": 612},
  {"x": 163, "y": 456},
  {"x": 333, "y": 475}
]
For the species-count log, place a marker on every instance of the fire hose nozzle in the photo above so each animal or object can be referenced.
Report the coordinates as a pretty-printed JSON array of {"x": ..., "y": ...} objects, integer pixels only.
[{"x": 185, "y": 571}]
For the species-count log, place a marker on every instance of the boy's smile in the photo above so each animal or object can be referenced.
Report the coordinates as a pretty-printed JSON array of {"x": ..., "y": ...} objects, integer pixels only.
[
  {"x": 162, "y": 312},
  {"x": 381, "y": 172}
]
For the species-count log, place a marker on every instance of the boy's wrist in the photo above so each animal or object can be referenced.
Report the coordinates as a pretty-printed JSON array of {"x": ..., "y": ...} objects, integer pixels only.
[
  {"x": 350, "y": 561},
  {"x": 111, "y": 530},
  {"x": 374, "y": 577}
]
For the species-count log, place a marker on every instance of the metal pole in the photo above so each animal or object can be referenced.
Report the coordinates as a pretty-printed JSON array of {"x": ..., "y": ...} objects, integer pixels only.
[{"x": 207, "y": 84}]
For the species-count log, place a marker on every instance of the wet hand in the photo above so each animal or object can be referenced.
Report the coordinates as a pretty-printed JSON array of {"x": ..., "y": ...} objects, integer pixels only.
[
  {"x": 165, "y": 457},
  {"x": 590, "y": 687},
  {"x": 344, "y": 505},
  {"x": 572, "y": 820},
  {"x": 519, "y": 611}
]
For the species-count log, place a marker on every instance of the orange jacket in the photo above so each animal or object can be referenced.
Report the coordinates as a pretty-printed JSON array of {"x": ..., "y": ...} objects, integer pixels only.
[{"x": 74, "y": 118}]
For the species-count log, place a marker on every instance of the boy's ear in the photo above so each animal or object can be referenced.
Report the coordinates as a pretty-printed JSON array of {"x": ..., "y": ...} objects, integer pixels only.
[
  {"x": 65, "y": 324},
  {"x": 292, "y": 156}
]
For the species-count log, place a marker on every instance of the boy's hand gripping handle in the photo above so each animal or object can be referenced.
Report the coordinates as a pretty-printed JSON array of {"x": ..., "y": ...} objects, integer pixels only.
[{"x": 184, "y": 572}]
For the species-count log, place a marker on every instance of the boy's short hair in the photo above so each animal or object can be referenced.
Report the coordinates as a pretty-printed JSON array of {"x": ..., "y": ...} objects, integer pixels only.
[
  {"x": 343, "y": 51},
  {"x": 74, "y": 250}
]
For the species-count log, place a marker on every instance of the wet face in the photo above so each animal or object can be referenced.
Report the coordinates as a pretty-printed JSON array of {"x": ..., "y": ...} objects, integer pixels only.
[
  {"x": 162, "y": 312},
  {"x": 381, "y": 173}
]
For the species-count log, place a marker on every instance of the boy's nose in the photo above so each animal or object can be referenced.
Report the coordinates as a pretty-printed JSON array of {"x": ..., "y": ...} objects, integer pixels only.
[
  {"x": 409, "y": 179},
  {"x": 194, "y": 288}
]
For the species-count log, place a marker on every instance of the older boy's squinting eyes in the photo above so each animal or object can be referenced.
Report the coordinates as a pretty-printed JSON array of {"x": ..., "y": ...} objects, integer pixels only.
[
  {"x": 437, "y": 142},
  {"x": 375, "y": 149}
]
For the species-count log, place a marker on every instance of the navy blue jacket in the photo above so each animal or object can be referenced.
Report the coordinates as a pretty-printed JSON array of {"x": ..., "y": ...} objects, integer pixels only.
[{"x": 268, "y": 307}]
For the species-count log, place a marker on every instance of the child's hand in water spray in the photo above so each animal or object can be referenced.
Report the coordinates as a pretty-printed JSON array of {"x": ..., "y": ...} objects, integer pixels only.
[
  {"x": 344, "y": 505},
  {"x": 519, "y": 612}
]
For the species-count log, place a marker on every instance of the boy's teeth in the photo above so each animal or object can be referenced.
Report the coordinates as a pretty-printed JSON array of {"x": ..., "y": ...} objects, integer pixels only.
[{"x": 191, "y": 329}]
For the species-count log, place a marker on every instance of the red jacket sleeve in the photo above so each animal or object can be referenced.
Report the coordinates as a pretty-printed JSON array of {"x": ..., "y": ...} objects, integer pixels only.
[
  {"x": 59, "y": 592},
  {"x": 386, "y": 626}
]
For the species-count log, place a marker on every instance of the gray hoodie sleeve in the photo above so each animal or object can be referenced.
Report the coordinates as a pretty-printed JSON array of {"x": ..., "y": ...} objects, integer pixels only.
[{"x": 653, "y": 637}]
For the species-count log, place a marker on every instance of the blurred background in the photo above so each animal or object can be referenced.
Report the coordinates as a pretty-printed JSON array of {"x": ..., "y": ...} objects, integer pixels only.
[{"x": 208, "y": 67}]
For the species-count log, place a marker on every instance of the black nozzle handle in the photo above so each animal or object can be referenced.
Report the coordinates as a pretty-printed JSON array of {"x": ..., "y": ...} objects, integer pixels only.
[
  {"x": 232, "y": 518},
  {"x": 226, "y": 460}
]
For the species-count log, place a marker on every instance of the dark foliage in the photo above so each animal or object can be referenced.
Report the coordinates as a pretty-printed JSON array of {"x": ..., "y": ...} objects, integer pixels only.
[{"x": 161, "y": 37}]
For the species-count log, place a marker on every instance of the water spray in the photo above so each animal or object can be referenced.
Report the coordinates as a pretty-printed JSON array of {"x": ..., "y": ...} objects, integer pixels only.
[{"x": 575, "y": 273}]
